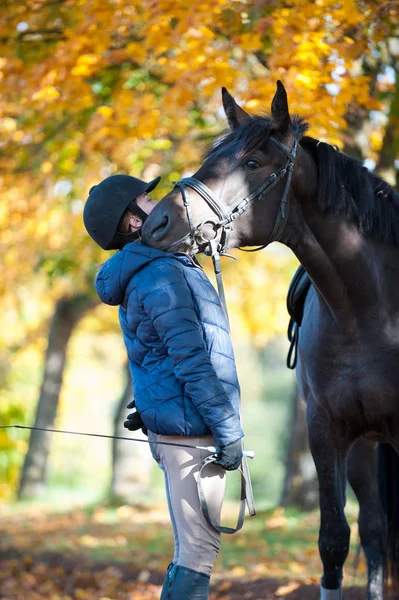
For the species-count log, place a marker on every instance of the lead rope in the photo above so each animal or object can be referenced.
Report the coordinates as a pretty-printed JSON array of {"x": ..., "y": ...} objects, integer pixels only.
[
  {"x": 216, "y": 249},
  {"x": 215, "y": 254},
  {"x": 247, "y": 496}
]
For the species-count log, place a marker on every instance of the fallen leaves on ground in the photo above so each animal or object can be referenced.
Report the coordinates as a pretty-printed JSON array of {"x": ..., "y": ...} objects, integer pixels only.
[
  {"x": 52, "y": 578},
  {"x": 122, "y": 554}
]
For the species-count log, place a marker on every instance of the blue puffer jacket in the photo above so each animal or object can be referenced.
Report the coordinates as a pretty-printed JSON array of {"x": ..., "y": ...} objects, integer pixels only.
[{"x": 176, "y": 335}]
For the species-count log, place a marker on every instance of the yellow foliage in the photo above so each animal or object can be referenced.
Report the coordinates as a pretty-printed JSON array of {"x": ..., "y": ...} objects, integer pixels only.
[
  {"x": 98, "y": 87},
  {"x": 47, "y": 93}
]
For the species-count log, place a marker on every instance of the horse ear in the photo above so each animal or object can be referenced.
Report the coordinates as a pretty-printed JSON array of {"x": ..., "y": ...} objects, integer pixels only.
[
  {"x": 234, "y": 113},
  {"x": 280, "y": 114}
]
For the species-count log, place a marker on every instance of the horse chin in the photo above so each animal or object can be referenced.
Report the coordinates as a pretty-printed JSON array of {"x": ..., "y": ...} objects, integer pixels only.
[{"x": 199, "y": 247}]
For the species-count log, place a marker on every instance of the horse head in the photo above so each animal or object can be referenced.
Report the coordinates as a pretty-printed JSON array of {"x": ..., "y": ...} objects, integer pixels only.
[{"x": 239, "y": 194}]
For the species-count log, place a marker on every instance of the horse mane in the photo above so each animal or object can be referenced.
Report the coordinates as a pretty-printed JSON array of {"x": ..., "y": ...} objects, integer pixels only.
[
  {"x": 252, "y": 134},
  {"x": 347, "y": 188}
]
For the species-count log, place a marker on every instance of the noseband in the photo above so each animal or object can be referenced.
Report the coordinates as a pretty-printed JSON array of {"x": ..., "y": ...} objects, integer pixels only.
[{"x": 226, "y": 216}]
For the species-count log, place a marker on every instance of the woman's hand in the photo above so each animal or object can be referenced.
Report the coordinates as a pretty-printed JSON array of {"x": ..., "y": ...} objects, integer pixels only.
[
  {"x": 134, "y": 421},
  {"x": 230, "y": 456}
]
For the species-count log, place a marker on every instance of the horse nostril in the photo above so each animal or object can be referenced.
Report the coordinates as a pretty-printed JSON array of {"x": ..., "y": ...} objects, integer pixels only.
[{"x": 157, "y": 229}]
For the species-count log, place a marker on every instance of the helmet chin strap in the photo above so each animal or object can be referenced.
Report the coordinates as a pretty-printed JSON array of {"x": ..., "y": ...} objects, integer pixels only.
[{"x": 135, "y": 208}]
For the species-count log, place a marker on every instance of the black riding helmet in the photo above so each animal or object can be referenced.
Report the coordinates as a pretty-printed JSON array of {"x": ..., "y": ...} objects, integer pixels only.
[{"x": 106, "y": 205}]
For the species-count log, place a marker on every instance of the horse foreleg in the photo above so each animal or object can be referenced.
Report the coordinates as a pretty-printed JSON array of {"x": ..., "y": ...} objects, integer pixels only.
[
  {"x": 329, "y": 454},
  {"x": 362, "y": 468}
]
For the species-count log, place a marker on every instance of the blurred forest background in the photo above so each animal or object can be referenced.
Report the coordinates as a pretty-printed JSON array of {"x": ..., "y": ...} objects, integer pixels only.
[{"x": 89, "y": 88}]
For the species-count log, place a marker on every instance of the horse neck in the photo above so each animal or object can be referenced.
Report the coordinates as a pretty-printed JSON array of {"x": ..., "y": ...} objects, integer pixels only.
[
  {"x": 337, "y": 259},
  {"x": 346, "y": 269}
]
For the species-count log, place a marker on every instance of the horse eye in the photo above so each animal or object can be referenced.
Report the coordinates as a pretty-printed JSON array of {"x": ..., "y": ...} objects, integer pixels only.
[{"x": 252, "y": 164}]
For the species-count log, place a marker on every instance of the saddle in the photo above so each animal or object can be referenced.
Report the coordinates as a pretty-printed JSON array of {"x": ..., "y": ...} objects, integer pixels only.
[{"x": 297, "y": 292}]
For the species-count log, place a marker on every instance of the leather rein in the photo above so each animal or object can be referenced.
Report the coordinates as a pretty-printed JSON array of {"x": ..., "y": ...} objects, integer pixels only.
[{"x": 217, "y": 247}]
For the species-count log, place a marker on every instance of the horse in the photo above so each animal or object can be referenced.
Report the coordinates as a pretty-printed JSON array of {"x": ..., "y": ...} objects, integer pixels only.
[{"x": 265, "y": 181}]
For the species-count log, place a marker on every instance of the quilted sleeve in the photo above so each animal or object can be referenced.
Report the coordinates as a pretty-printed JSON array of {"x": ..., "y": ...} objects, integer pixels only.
[{"x": 168, "y": 301}]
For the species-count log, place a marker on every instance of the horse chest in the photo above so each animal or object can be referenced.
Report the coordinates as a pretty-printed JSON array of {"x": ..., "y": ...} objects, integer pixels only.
[{"x": 356, "y": 387}]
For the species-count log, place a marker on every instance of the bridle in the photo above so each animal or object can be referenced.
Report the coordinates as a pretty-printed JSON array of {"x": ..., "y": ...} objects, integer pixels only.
[
  {"x": 217, "y": 247},
  {"x": 226, "y": 217}
]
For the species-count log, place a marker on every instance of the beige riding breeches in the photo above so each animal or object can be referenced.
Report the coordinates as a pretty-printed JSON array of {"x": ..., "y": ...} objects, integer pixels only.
[{"x": 196, "y": 542}]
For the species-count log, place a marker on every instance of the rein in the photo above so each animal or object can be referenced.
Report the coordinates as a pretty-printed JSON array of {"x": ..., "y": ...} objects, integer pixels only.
[{"x": 217, "y": 248}]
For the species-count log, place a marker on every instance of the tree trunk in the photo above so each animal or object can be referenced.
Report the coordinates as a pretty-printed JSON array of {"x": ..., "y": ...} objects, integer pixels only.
[
  {"x": 300, "y": 485},
  {"x": 67, "y": 313},
  {"x": 132, "y": 462}
]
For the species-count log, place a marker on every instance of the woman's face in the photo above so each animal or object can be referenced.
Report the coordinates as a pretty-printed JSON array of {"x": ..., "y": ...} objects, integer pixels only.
[
  {"x": 145, "y": 203},
  {"x": 132, "y": 222}
]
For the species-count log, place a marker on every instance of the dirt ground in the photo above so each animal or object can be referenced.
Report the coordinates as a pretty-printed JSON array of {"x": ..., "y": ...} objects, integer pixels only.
[
  {"x": 267, "y": 589},
  {"x": 232, "y": 589}
]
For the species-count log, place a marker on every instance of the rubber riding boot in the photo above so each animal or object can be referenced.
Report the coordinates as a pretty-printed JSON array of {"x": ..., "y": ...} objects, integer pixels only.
[
  {"x": 182, "y": 583},
  {"x": 166, "y": 583}
]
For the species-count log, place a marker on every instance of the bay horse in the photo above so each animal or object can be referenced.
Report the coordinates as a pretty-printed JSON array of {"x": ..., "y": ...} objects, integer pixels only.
[{"x": 267, "y": 181}]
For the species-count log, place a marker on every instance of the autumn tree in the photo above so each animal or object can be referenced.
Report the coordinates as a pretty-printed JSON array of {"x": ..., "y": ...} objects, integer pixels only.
[
  {"x": 91, "y": 88},
  {"x": 300, "y": 487},
  {"x": 68, "y": 312}
]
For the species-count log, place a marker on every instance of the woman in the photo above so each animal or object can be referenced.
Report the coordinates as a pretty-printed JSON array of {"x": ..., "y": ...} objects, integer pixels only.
[{"x": 182, "y": 364}]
